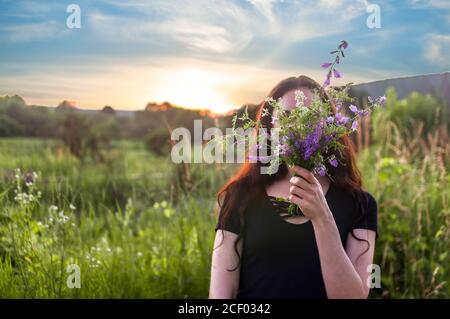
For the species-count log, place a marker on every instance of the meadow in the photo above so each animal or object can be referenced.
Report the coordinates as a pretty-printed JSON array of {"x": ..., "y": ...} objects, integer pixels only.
[{"x": 135, "y": 230}]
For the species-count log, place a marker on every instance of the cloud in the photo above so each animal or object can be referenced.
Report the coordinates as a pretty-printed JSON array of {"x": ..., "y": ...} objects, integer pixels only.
[
  {"x": 225, "y": 27},
  {"x": 265, "y": 8},
  {"x": 438, "y": 4},
  {"x": 437, "y": 50},
  {"x": 201, "y": 26},
  {"x": 28, "y": 21},
  {"x": 31, "y": 31}
]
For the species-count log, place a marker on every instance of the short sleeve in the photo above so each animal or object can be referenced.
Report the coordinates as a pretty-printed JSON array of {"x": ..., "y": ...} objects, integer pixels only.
[
  {"x": 369, "y": 218},
  {"x": 233, "y": 223}
]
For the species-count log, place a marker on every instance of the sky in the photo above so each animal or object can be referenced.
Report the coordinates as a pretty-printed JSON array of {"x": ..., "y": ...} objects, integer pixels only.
[{"x": 212, "y": 54}]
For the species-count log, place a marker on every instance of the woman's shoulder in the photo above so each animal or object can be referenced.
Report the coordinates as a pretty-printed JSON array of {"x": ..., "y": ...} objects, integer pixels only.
[
  {"x": 366, "y": 216},
  {"x": 354, "y": 195},
  {"x": 370, "y": 201}
]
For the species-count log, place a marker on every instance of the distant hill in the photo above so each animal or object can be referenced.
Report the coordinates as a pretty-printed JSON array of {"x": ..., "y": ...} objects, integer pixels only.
[{"x": 437, "y": 85}]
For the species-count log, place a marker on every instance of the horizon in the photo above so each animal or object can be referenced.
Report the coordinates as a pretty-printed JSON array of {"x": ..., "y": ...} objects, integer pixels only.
[
  {"x": 208, "y": 55},
  {"x": 212, "y": 112}
]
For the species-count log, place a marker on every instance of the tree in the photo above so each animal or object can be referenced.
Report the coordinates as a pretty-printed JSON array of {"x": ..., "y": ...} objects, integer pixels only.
[
  {"x": 108, "y": 110},
  {"x": 9, "y": 127}
]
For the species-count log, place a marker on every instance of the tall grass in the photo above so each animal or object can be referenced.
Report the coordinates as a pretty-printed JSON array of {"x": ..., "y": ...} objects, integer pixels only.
[{"x": 135, "y": 234}]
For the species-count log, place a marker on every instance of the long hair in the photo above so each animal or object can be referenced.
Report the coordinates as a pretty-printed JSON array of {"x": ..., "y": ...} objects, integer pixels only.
[{"x": 239, "y": 191}]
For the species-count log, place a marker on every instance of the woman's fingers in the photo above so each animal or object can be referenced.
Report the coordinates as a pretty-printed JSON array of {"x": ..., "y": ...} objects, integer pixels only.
[
  {"x": 303, "y": 172},
  {"x": 297, "y": 191},
  {"x": 295, "y": 199},
  {"x": 300, "y": 182}
]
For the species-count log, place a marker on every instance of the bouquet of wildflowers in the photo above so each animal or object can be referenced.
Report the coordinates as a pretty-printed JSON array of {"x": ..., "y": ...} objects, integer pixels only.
[{"x": 309, "y": 136}]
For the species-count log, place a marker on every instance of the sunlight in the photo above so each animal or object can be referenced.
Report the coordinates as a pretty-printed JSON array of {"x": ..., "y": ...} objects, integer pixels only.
[{"x": 195, "y": 88}]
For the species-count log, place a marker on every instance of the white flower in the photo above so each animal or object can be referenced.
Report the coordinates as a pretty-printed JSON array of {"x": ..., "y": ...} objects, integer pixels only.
[
  {"x": 72, "y": 207},
  {"x": 63, "y": 218},
  {"x": 299, "y": 98}
]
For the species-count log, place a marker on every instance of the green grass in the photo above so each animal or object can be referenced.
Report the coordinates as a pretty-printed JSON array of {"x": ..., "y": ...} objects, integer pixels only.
[{"x": 135, "y": 233}]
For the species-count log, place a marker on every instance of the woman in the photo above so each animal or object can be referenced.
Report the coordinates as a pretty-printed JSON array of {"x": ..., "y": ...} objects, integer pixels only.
[{"x": 261, "y": 252}]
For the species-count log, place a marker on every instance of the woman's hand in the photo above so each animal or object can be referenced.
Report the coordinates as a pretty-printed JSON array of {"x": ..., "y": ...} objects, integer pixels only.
[{"x": 307, "y": 194}]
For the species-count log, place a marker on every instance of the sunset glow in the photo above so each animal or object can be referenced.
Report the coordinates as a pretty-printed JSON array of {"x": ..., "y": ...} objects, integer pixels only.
[{"x": 195, "y": 88}]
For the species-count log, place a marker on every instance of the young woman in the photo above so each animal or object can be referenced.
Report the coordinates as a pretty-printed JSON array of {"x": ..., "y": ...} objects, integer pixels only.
[{"x": 261, "y": 252}]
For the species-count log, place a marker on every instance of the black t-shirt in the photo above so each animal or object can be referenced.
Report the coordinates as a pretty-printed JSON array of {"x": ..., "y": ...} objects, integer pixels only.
[{"x": 281, "y": 259}]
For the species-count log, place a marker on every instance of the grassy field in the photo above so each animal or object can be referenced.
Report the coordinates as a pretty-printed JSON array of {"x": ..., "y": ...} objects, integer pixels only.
[{"x": 136, "y": 233}]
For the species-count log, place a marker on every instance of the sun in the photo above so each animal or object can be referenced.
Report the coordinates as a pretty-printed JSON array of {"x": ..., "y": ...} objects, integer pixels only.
[{"x": 195, "y": 88}]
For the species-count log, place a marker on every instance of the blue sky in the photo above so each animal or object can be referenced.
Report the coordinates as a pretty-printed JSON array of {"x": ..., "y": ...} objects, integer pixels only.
[{"x": 206, "y": 53}]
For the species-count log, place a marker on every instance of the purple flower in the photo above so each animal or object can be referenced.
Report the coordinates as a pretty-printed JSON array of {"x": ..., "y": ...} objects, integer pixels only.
[
  {"x": 382, "y": 99},
  {"x": 327, "y": 138},
  {"x": 341, "y": 119},
  {"x": 285, "y": 150},
  {"x": 337, "y": 59},
  {"x": 320, "y": 170},
  {"x": 353, "y": 108},
  {"x": 291, "y": 136},
  {"x": 343, "y": 45},
  {"x": 326, "y": 83},
  {"x": 338, "y": 107},
  {"x": 333, "y": 161},
  {"x": 336, "y": 73},
  {"x": 330, "y": 119},
  {"x": 309, "y": 151},
  {"x": 273, "y": 120},
  {"x": 311, "y": 142},
  {"x": 355, "y": 125},
  {"x": 326, "y": 65}
]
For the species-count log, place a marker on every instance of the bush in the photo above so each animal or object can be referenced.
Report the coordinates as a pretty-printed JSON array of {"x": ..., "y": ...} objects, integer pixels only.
[
  {"x": 408, "y": 115},
  {"x": 158, "y": 141},
  {"x": 9, "y": 127}
]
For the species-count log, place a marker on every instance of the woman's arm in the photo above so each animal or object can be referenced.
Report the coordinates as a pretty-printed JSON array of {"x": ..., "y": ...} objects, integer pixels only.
[
  {"x": 224, "y": 284},
  {"x": 345, "y": 275},
  {"x": 343, "y": 272}
]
